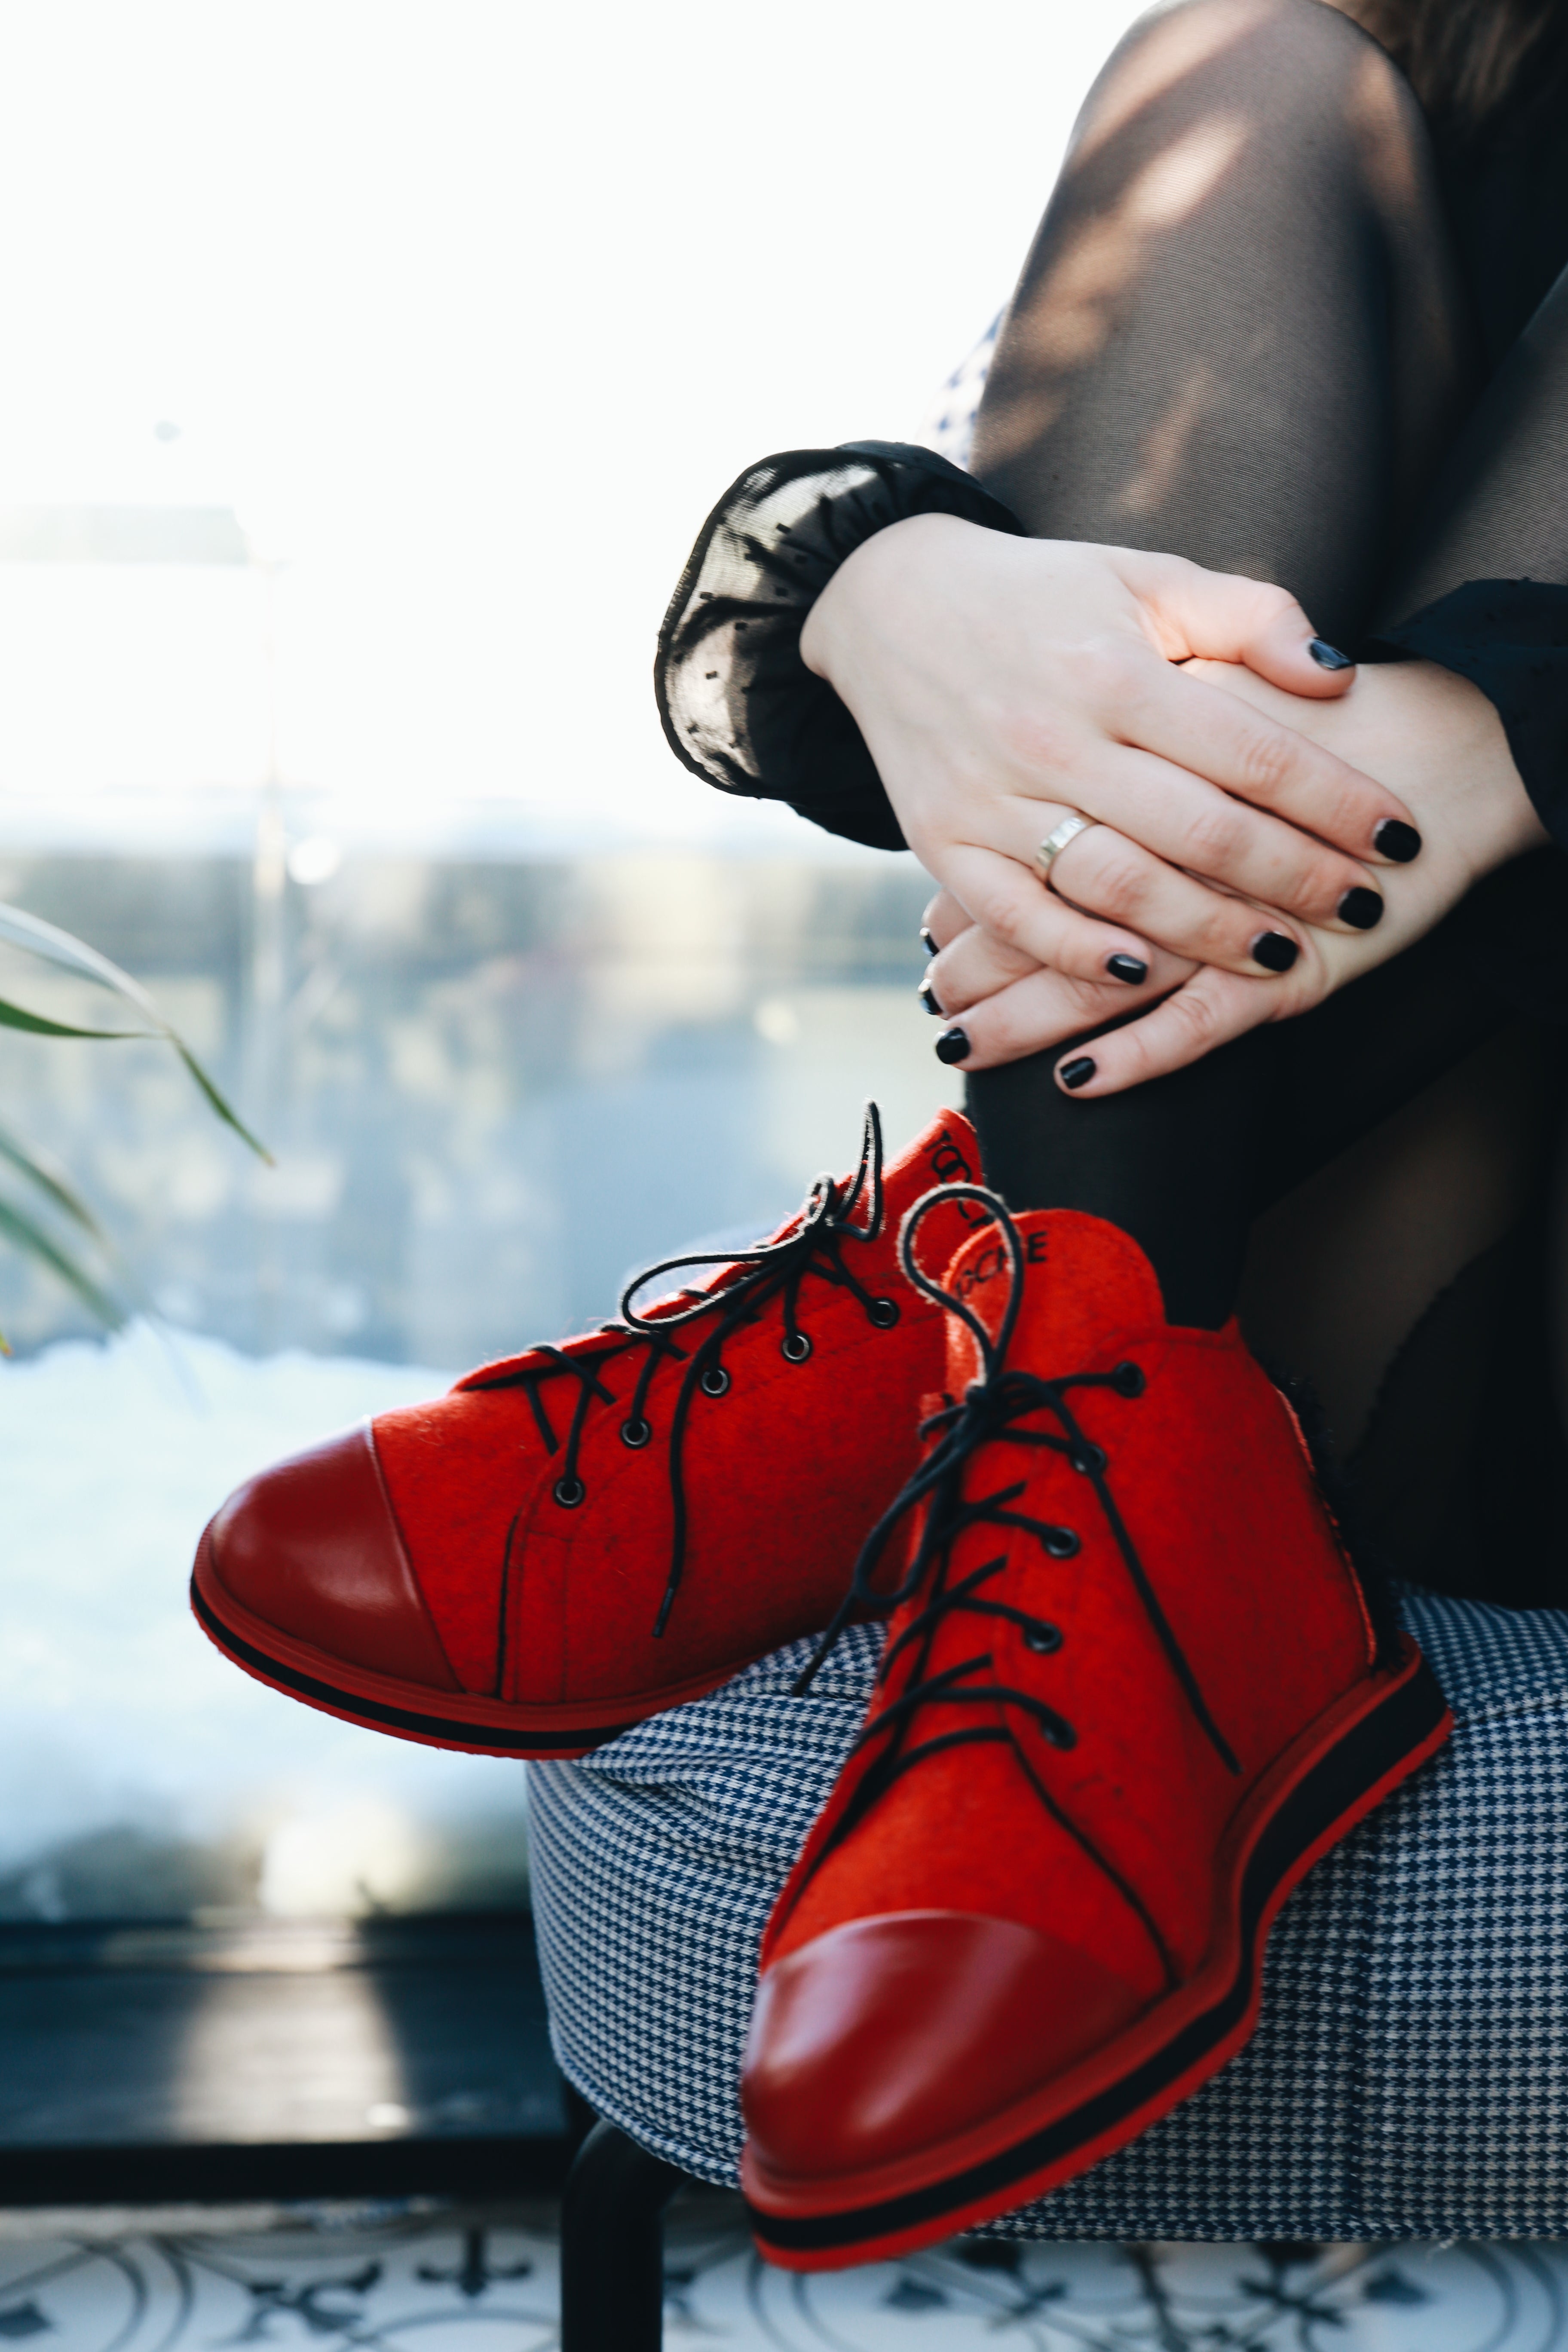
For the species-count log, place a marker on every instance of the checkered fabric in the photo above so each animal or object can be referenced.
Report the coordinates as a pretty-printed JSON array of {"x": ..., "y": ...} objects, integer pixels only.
[
  {"x": 1410, "y": 2074},
  {"x": 949, "y": 428}
]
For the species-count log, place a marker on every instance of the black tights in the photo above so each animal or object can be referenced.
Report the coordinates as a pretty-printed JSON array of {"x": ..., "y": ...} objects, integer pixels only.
[{"x": 1242, "y": 336}]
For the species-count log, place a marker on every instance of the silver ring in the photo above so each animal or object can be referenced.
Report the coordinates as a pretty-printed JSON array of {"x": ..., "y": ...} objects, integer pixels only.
[{"x": 1056, "y": 840}]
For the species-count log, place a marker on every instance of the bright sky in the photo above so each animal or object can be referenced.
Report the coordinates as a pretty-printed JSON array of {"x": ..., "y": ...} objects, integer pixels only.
[{"x": 472, "y": 308}]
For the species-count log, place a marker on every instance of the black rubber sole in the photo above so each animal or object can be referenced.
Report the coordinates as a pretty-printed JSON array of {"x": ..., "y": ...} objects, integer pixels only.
[{"x": 408, "y": 1723}]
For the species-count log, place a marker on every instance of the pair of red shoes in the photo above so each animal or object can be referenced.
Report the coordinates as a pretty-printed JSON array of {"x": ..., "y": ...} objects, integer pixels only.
[{"x": 1130, "y": 1690}]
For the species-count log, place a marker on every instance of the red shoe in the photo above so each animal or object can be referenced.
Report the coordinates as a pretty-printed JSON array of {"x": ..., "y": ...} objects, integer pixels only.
[
  {"x": 586, "y": 1534},
  {"x": 1131, "y": 1695}
]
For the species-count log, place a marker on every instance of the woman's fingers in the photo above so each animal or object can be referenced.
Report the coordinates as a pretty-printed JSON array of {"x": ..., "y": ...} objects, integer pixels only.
[
  {"x": 944, "y": 920},
  {"x": 1103, "y": 874},
  {"x": 1032, "y": 1014},
  {"x": 1178, "y": 817},
  {"x": 974, "y": 966},
  {"x": 1208, "y": 1011},
  {"x": 1267, "y": 764},
  {"x": 1227, "y": 618},
  {"x": 1033, "y": 925},
  {"x": 1191, "y": 612},
  {"x": 1223, "y": 842}
]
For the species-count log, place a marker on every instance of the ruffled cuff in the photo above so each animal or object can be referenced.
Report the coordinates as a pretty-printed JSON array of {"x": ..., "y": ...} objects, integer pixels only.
[
  {"x": 1510, "y": 637},
  {"x": 740, "y": 708}
]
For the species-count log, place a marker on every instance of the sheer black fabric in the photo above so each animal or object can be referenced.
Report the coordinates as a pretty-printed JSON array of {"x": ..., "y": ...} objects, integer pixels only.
[
  {"x": 740, "y": 708},
  {"x": 1505, "y": 192}
]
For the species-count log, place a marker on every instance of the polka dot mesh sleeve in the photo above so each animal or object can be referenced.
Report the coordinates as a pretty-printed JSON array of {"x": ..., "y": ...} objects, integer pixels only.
[{"x": 740, "y": 708}]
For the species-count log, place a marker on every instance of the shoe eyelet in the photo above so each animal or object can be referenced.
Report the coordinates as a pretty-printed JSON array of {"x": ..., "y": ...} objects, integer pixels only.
[
  {"x": 1062, "y": 1543},
  {"x": 635, "y": 1433},
  {"x": 569, "y": 1493},
  {"x": 1128, "y": 1379},
  {"x": 885, "y": 1313},
  {"x": 1088, "y": 1459},
  {"x": 795, "y": 1348},
  {"x": 715, "y": 1382},
  {"x": 1062, "y": 1735},
  {"x": 1042, "y": 1639}
]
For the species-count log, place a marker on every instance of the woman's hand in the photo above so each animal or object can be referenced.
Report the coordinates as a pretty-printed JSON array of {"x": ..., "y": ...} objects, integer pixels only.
[
  {"x": 1425, "y": 731},
  {"x": 1000, "y": 1005},
  {"x": 1003, "y": 683}
]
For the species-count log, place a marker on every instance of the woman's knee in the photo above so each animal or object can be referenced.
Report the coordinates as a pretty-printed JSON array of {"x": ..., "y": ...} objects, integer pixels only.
[
  {"x": 1297, "y": 74},
  {"x": 1217, "y": 133},
  {"x": 1249, "y": 192}
]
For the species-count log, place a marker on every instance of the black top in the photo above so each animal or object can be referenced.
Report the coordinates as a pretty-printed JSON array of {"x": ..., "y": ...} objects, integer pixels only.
[
  {"x": 741, "y": 710},
  {"x": 1508, "y": 206}
]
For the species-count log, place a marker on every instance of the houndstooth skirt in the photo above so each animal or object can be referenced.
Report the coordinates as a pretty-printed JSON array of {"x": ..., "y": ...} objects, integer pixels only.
[{"x": 1409, "y": 2078}]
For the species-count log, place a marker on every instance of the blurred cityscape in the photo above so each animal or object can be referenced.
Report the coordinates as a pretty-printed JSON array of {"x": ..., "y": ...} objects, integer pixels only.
[{"x": 492, "y": 1086}]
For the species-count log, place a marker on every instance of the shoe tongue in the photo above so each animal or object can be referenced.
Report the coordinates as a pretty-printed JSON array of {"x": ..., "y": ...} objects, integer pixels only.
[
  {"x": 1084, "y": 1280},
  {"x": 947, "y": 1153}
]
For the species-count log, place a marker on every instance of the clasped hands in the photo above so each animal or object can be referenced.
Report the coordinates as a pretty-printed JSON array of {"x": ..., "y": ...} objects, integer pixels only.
[{"x": 1268, "y": 822}]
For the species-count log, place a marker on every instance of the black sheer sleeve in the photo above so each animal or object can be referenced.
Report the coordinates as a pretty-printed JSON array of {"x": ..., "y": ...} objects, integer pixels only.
[
  {"x": 740, "y": 708},
  {"x": 1510, "y": 637}
]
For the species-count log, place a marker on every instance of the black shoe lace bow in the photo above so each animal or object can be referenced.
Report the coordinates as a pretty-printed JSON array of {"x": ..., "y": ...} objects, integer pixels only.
[
  {"x": 778, "y": 1269},
  {"x": 1007, "y": 1406}
]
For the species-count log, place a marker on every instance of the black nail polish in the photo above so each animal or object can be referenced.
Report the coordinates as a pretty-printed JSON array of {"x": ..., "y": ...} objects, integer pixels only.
[
  {"x": 1078, "y": 1072},
  {"x": 953, "y": 1046},
  {"x": 1274, "y": 951},
  {"x": 1127, "y": 968},
  {"x": 1397, "y": 840},
  {"x": 1329, "y": 656},
  {"x": 1360, "y": 908},
  {"x": 926, "y": 996},
  {"x": 931, "y": 947}
]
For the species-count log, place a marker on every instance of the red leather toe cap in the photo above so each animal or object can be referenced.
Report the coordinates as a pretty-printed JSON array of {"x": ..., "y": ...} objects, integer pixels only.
[
  {"x": 311, "y": 1549},
  {"x": 892, "y": 2034}
]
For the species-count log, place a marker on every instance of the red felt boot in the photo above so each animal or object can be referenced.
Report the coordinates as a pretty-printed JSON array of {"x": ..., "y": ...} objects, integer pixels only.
[
  {"x": 586, "y": 1534},
  {"x": 1129, "y": 1695}
]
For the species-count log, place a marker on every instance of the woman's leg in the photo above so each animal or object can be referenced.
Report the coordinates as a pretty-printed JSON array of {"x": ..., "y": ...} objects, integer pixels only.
[
  {"x": 1461, "y": 1200},
  {"x": 1498, "y": 509},
  {"x": 1239, "y": 337}
]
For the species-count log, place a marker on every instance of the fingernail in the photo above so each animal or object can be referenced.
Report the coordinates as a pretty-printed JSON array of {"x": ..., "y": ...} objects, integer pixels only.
[
  {"x": 926, "y": 996},
  {"x": 1397, "y": 840},
  {"x": 1076, "y": 1072},
  {"x": 1127, "y": 968},
  {"x": 1274, "y": 951},
  {"x": 931, "y": 947},
  {"x": 1360, "y": 908},
  {"x": 953, "y": 1046},
  {"x": 1329, "y": 656}
]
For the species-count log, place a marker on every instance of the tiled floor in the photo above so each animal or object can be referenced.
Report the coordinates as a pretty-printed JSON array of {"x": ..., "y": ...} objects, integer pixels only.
[{"x": 423, "y": 2280}]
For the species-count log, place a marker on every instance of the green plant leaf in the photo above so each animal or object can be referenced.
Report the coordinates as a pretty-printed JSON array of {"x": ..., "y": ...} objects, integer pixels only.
[
  {"x": 229, "y": 1117},
  {"x": 14, "y": 1016},
  {"x": 51, "y": 1182},
  {"x": 31, "y": 933},
  {"x": 46, "y": 940},
  {"x": 32, "y": 1240}
]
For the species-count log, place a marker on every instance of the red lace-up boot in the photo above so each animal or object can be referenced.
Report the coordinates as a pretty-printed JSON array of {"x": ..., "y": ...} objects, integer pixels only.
[
  {"x": 586, "y": 1534},
  {"x": 1130, "y": 1693}
]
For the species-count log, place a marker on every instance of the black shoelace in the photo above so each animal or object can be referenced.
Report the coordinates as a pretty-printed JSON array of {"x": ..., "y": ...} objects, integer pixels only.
[
  {"x": 996, "y": 1410},
  {"x": 771, "y": 1271}
]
